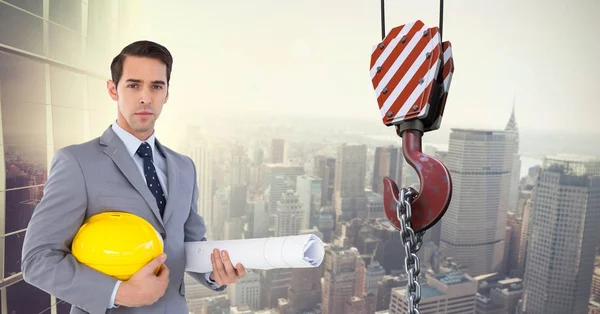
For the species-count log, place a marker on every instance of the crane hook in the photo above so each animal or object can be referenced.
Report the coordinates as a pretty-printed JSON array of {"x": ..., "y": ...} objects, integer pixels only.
[{"x": 435, "y": 190}]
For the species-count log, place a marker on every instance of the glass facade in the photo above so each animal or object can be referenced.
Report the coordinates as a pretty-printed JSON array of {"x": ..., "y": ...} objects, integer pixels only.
[{"x": 54, "y": 62}]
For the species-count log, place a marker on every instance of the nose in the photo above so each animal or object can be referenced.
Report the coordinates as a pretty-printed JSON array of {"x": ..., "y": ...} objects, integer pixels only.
[{"x": 145, "y": 97}]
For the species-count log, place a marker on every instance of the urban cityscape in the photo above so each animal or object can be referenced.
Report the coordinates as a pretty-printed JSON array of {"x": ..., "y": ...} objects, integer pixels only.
[{"x": 520, "y": 235}]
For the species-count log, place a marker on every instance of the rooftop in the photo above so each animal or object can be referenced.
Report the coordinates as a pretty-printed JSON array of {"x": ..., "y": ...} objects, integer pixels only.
[
  {"x": 428, "y": 291},
  {"x": 373, "y": 197},
  {"x": 452, "y": 278},
  {"x": 572, "y": 164},
  {"x": 470, "y": 130}
]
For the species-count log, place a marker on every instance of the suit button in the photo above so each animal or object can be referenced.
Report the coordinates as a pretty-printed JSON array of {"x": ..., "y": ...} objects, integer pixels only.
[{"x": 163, "y": 235}]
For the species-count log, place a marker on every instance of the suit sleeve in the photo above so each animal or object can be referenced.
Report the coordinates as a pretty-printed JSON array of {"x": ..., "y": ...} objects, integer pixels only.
[
  {"x": 195, "y": 230},
  {"x": 47, "y": 262}
]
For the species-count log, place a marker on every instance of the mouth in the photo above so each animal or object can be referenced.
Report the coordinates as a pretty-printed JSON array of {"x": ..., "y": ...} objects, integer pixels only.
[{"x": 143, "y": 113}]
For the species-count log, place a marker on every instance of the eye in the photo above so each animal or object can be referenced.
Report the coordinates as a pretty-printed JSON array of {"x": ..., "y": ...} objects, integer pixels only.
[
  {"x": 133, "y": 85},
  {"x": 158, "y": 86}
]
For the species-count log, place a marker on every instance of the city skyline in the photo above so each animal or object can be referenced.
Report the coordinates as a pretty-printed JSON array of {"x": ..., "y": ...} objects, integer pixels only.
[{"x": 273, "y": 104}]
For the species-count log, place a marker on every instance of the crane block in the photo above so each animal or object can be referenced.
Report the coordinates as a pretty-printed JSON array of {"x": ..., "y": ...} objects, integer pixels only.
[{"x": 411, "y": 73}]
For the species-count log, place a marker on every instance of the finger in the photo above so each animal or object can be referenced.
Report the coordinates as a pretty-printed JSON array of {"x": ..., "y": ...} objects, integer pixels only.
[
  {"x": 229, "y": 270},
  {"x": 241, "y": 270},
  {"x": 216, "y": 271},
  {"x": 164, "y": 272},
  {"x": 153, "y": 264}
]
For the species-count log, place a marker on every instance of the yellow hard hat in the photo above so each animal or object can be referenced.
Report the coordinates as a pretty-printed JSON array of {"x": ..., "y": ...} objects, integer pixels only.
[{"x": 117, "y": 244}]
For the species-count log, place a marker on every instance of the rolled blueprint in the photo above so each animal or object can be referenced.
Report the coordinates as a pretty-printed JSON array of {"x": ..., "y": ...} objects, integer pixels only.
[{"x": 301, "y": 251}]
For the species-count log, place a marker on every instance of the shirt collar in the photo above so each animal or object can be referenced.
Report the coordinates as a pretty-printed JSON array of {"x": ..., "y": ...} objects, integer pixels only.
[{"x": 131, "y": 142}]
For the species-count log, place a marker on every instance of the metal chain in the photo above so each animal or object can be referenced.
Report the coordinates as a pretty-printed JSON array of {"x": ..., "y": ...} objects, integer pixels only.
[{"x": 412, "y": 244}]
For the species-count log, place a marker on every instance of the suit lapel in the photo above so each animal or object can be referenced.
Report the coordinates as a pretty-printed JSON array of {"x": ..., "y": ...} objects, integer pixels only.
[
  {"x": 172, "y": 180},
  {"x": 117, "y": 151}
]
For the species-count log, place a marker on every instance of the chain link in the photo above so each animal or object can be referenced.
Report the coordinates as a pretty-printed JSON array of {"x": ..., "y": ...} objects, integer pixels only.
[{"x": 412, "y": 244}]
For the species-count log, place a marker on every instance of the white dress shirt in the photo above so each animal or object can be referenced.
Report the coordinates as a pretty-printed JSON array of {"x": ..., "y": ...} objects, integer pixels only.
[{"x": 132, "y": 144}]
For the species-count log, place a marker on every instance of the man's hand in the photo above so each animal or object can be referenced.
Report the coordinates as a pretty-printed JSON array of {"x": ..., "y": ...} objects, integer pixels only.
[
  {"x": 144, "y": 287},
  {"x": 223, "y": 271}
]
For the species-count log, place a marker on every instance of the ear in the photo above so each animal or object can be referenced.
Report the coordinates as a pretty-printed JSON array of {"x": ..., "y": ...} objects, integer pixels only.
[
  {"x": 112, "y": 90},
  {"x": 167, "y": 96}
]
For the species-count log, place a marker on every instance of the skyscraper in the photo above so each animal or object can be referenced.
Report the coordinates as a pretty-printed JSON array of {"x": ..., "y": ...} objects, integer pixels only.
[
  {"x": 564, "y": 233},
  {"x": 473, "y": 228},
  {"x": 278, "y": 151},
  {"x": 388, "y": 163},
  {"x": 513, "y": 195},
  {"x": 288, "y": 220},
  {"x": 309, "y": 191},
  {"x": 239, "y": 168},
  {"x": 200, "y": 153},
  {"x": 349, "y": 187},
  {"x": 276, "y": 179},
  {"x": 324, "y": 168},
  {"x": 339, "y": 280}
]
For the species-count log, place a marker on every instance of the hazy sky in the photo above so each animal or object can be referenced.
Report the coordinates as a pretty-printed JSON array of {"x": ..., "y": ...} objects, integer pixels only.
[{"x": 310, "y": 57}]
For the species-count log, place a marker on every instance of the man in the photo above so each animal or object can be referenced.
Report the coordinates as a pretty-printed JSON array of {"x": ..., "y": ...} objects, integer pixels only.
[{"x": 125, "y": 169}]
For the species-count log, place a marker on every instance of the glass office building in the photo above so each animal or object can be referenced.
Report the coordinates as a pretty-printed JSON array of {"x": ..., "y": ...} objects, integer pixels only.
[{"x": 54, "y": 61}]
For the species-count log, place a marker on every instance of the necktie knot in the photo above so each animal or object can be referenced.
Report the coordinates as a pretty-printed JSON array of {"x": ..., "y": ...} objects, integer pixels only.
[{"x": 145, "y": 151}]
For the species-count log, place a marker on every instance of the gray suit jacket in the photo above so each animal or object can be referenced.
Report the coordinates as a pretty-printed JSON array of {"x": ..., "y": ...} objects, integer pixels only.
[{"x": 97, "y": 176}]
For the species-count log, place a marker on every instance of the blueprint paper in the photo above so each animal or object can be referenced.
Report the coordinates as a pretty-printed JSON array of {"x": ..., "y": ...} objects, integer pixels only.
[{"x": 301, "y": 251}]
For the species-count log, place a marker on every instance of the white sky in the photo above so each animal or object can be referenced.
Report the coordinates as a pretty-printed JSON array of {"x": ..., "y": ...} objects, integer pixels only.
[{"x": 242, "y": 57}]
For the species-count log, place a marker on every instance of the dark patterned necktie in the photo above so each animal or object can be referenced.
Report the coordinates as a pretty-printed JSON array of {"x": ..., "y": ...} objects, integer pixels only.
[{"x": 145, "y": 151}]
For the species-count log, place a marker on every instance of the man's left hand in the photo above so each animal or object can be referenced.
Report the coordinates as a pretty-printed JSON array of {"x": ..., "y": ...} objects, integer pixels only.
[{"x": 223, "y": 271}]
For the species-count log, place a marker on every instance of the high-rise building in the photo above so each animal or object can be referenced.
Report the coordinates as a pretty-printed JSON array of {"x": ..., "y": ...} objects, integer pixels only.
[
  {"x": 339, "y": 280},
  {"x": 257, "y": 218},
  {"x": 276, "y": 179},
  {"x": 564, "y": 231},
  {"x": 288, "y": 220},
  {"x": 54, "y": 63},
  {"x": 324, "y": 168},
  {"x": 237, "y": 201},
  {"x": 305, "y": 287},
  {"x": 309, "y": 191},
  {"x": 215, "y": 221},
  {"x": 349, "y": 188},
  {"x": 200, "y": 153},
  {"x": 514, "y": 230},
  {"x": 246, "y": 291},
  {"x": 473, "y": 228},
  {"x": 278, "y": 151},
  {"x": 452, "y": 293},
  {"x": 239, "y": 169},
  {"x": 513, "y": 195},
  {"x": 388, "y": 162}
]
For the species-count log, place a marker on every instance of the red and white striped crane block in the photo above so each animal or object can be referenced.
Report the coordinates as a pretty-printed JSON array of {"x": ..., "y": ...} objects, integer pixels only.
[{"x": 411, "y": 71}]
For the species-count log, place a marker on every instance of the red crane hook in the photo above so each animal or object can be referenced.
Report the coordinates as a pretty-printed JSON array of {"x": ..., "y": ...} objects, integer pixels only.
[{"x": 435, "y": 190}]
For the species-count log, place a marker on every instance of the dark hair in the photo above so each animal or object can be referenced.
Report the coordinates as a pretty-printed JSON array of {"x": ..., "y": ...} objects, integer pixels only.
[{"x": 142, "y": 48}]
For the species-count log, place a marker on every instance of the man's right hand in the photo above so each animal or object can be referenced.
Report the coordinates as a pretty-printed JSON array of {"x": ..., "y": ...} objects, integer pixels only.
[{"x": 144, "y": 287}]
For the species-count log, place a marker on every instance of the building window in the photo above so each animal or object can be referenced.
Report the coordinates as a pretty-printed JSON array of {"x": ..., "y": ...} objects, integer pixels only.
[
  {"x": 62, "y": 307},
  {"x": 66, "y": 13},
  {"x": 65, "y": 45},
  {"x": 20, "y": 204},
  {"x": 21, "y": 30},
  {"x": 19, "y": 299},
  {"x": 13, "y": 244},
  {"x": 34, "y": 6},
  {"x": 21, "y": 80},
  {"x": 67, "y": 88},
  {"x": 25, "y": 148},
  {"x": 68, "y": 125}
]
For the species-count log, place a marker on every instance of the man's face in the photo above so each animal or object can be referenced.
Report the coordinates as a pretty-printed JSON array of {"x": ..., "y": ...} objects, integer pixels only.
[{"x": 140, "y": 94}]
